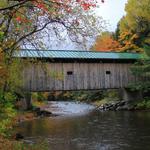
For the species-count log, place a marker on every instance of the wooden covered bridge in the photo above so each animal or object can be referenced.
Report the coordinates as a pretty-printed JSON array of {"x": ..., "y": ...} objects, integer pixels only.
[{"x": 76, "y": 70}]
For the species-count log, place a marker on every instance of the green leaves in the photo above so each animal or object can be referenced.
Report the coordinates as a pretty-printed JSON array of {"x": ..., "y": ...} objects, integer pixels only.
[
  {"x": 147, "y": 50},
  {"x": 1, "y": 35},
  {"x": 142, "y": 70},
  {"x": 134, "y": 27},
  {"x": 3, "y": 3}
]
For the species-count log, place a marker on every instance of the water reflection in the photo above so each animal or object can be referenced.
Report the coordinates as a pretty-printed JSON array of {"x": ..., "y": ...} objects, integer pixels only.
[{"x": 92, "y": 131}]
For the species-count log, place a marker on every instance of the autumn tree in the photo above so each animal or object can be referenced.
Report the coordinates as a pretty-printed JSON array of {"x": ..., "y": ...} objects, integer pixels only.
[
  {"x": 138, "y": 17},
  {"x": 106, "y": 42},
  {"x": 133, "y": 33},
  {"x": 134, "y": 27},
  {"x": 126, "y": 38},
  {"x": 21, "y": 21}
]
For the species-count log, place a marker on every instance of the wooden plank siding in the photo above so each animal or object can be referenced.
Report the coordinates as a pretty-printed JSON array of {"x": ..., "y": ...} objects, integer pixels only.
[{"x": 76, "y": 76}]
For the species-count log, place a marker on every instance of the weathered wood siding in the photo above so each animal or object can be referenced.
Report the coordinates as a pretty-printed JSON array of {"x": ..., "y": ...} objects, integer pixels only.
[{"x": 76, "y": 76}]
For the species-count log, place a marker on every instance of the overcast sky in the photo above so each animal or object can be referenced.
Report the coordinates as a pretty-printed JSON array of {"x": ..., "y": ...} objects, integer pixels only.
[{"x": 112, "y": 11}]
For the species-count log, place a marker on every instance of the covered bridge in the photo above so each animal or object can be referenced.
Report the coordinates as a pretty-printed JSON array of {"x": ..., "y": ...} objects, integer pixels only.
[{"x": 77, "y": 70}]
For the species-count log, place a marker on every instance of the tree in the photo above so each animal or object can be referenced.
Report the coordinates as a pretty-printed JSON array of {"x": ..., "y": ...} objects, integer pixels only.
[
  {"x": 21, "y": 20},
  {"x": 134, "y": 27},
  {"x": 106, "y": 42},
  {"x": 142, "y": 70}
]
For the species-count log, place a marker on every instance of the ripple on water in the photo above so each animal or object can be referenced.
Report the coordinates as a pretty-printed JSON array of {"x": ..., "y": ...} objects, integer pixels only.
[{"x": 69, "y": 108}]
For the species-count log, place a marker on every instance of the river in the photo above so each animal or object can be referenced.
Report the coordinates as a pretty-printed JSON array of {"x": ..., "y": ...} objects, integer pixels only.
[{"x": 79, "y": 127}]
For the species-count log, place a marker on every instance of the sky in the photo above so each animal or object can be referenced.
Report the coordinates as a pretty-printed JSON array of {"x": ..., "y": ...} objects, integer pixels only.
[{"x": 112, "y": 11}]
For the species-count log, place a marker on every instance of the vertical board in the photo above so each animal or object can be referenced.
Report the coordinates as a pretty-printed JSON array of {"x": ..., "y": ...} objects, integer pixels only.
[
  {"x": 75, "y": 76},
  {"x": 126, "y": 75},
  {"x": 107, "y": 76},
  {"x": 113, "y": 78},
  {"x": 82, "y": 75},
  {"x": 101, "y": 76},
  {"x": 85, "y": 69},
  {"x": 51, "y": 76},
  {"x": 121, "y": 75},
  {"x": 78, "y": 81},
  {"x": 96, "y": 75},
  {"x": 92, "y": 81},
  {"x": 59, "y": 77},
  {"x": 32, "y": 78},
  {"x": 68, "y": 79},
  {"x": 40, "y": 82}
]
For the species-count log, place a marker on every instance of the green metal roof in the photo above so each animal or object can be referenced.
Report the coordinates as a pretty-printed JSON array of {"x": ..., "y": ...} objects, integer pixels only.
[{"x": 69, "y": 54}]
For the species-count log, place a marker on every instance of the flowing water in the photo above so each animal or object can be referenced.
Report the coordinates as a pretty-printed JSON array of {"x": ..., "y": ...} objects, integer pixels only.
[{"x": 80, "y": 127}]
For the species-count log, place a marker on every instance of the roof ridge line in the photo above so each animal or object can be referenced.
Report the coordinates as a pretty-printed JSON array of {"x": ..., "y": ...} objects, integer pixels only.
[{"x": 79, "y": 51}]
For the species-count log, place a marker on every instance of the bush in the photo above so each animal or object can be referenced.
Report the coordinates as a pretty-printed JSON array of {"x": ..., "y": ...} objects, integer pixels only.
[
  {"x": 7, "y": 112},
  {"x": 40, "y": 96},
  {"x": 112, "y": 95},
  {"x": 145, "y": 104}
]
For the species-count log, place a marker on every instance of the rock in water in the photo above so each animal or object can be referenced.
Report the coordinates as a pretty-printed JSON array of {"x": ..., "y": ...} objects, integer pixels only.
[{"x": 19, "y": 136}]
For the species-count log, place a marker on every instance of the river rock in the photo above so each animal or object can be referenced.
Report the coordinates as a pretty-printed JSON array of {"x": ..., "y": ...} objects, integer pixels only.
[
  {"x": 42, "y": 113},
  {"x": 19, "y": 136},
  {"x": 121, "y": 105},
  {"x": 45, "y": 113}
]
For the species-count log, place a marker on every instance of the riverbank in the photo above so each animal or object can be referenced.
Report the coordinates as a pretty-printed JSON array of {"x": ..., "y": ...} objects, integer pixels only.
[
  {"x": 11, "y": 140},
  {"x": 11, "y": 144},
  {"x": 106, "y": 105},
  {"x": 39, "y": 110},
  {"x": 63, "y": 108}
]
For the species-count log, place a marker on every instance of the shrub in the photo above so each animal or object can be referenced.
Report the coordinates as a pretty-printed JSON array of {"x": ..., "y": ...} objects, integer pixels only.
[
  {"x": 7, "y": 112},
  {"x": 145, "y": 104},
  {"x": 40, "y": 96}
]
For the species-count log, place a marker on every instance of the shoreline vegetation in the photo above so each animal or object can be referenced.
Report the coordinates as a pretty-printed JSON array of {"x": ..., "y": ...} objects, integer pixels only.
[
  {"x": 10, "y": 140},
  {"x": 11, "y": 144}
]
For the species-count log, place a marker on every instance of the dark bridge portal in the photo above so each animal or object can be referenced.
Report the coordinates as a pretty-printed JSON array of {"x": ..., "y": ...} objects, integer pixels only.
[{"x": 77, "y": 70}]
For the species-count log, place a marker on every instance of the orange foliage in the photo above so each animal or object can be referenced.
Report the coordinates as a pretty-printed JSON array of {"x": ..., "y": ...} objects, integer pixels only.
[
  {"x": 128, "y": 41},
  {"x": 106, "y": 43}
]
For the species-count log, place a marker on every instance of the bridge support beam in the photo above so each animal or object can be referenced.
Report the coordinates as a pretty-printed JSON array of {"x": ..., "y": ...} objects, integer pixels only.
[
  {"x": 129, "y": 95},
  {"x": 26, "y": 101}
]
